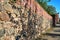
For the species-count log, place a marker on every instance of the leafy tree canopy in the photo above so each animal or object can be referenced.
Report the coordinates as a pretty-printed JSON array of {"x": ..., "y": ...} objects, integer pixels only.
[{"x": 49, "y": 8}]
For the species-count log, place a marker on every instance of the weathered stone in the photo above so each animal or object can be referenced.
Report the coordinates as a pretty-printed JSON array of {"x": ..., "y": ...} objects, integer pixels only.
[
  {"x": 23, "y": 19},
  {"x": 6, "y": 1},
  {"x": 9, "y": 38},
  {"x": 8, "y": 8},
  {"x": 4, "y": 16},
  {"x": 25, "y": 15},
  {"x": 19, "y": 21},
  {"x": 18, "y": 30},
  {"x": 13, "y": 15},
  {"x": 18, "y": 37},
  {"x": 2, "y": 32},
  {"x": 10, "y": 31},
  {"x": 8, "y": 25},
  {"x": 22, "y": 9},
  {"x": 16, "y": 19},
  {"x": 12, "y": 37},
  {"x": 1, "y": 25},
  {"x": 0, "y": 7},
  {"x": 16, "y": 11},
  {"x": 18, "y": 6}
]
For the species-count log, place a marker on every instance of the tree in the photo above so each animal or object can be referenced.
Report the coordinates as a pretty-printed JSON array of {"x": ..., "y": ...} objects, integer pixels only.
[
  {"x": 43, "y": 3},
  {"x": 49, "y": 8}
]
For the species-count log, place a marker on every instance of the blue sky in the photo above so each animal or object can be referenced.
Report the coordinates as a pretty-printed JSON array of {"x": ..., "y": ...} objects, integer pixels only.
[{"x": 56, "y": 4}]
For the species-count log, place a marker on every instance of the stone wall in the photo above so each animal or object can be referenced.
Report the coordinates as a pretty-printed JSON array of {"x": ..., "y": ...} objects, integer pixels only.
[{"x": 23, "y": 20}]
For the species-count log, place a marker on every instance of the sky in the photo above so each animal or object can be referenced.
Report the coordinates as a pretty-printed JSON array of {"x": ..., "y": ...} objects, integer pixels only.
[{"x": 56, "y": 4}]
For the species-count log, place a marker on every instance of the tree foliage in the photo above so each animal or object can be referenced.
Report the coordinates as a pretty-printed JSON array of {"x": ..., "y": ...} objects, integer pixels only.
[{"x": 49, "y": 8}]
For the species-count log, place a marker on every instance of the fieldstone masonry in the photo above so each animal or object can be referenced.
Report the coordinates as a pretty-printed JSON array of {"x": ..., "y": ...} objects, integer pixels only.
[{"x": 18, "y": 21}]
